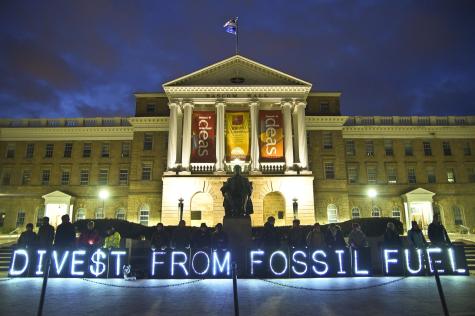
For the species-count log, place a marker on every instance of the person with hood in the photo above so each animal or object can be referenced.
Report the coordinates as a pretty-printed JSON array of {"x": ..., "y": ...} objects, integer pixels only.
[
  {"x": 112, "y": 239},
  {"x": 90, "y": 238}
]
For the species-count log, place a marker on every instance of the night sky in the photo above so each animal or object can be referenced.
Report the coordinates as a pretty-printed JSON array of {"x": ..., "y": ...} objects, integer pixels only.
[{"x": 87, "y": 58}]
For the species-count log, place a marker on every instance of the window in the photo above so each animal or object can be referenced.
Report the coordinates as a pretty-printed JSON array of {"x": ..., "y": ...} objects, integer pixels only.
[
  {"x": 86, "y": 150},
  {"x": 350, "y": 148},
  {"x": 332, "y": 213},
  {"x": 327, "y": 140},
  {"x": 372, "y": 174},
  {"x": 147, "y": 141},
  {"x": 45, "y": 174},
  {"x": 355, "y": 212},
  {"x": 467, "y": 150},
  {"x": 125, "y": 152},
  {"x": 329, "y": 170},
  {"x": 65, "y": 176},
  {"x": 39, "y": 216},
  {"x": 471, "y": 174},
  {"x": 369, "y": 148},
  {"x": 144, "y": 215},
  {"x": 99, "y": 213},
  {"x": 458, "y": 220},
  {"x": 396, "y": 213},
  {"x": 147, "y": 171},
  {"x": 446, "y": 148},
  {"x": 120, "y": 214},
  {"x": 20, "y": 219},
  {"x": 49, "y": 150},
  {"x": 450, "y": 175},
  {"x": 105, "y": 150},
  {"x": 427, "y": 149},
  {"x": 411, "y": 175},
  {"x": 352, "y": 174},
  {"x": 26, "y": 177},
  {"x": 10, "y": 151},
  {"x": 84, "y": 177},
  {"x": 408, "y": 148},
  {"x": 392, "y": 175},
  {"x": 6, "y": 177},
  {"x": 431, "y": 178},
  {"x": 68, "y": 149},
  {"x": 324, "y": 107},
  {"x": 388, "y": 147},
  {"x": 150, "y": 108},
  {"x": 30, "y": 150},
  {"x": 375, "y": 212},
  {"x": 103, "y": 177},
  {"x": 195, "y": 215},
  {"x": 123, "y": 176},
  {"x": 80, "y": 214}
]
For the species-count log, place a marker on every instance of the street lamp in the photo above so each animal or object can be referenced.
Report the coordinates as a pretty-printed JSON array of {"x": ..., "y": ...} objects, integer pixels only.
[
  {"x": 372, "y": 194},
  {"x": 104, "y": 195},
  {"x": 180, "y": 208},
  {"x": 295, "y": 206}
]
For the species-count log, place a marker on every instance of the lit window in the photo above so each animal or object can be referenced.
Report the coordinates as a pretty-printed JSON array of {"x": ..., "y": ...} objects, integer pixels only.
[
  {"x": 103, "y": 177},
  {"x": 65, "y": 175},
  {"x": 388, "y": 147},
  {"x": 30, "y": 149},
  {"x": 369, "y": 148},
  {"x": 84, "y": 177},
  {"x": 68, "y": 149},
  {"x": 125, "y": 153},
  {"x": 20, "y": 219},
  {"x": 123, "y": 176},
  {"x": 329, "y": 170},
  {"x": 10, "y": 151},
  {"x": 147, "y": 141},
  {"x": 431, "y": 178},
  {"x": 49, "y": 150},
  {"x": 427, "y": 149},
  {"x": 355, "y": 212},
  {"x": 45, "y": 174},
  {"x": 327, "y": 140},
  {"x": 120, "y": 214},
  {"x": 375, "y": 212},
  {"x": 392, "y": 175},
  {"x": 447, "y": 149},
  {"x": 350, "y": 148},
  {"x": 105, "y": 150},
  {"x": 458, "y": 220},
  {"x": 80, "y": 214},
  {"x": 396, "y": 213},
  {"x": 372, "y": 174},
  {"x": 411, "y": 175},
  {"x": 450, "y": 175},
  {"x": 86, "y": 150},
  {"x": 147, "y": 171},
  {"x": 99, "y": 213},
  {"x": 26, "y": 177},
  {"x": 144, "y": 215},
  {"x": 332, "y": 213},
  {"x": 352, "y": 174}
]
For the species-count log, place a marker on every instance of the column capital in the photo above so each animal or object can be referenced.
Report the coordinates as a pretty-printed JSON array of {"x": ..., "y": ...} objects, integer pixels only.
[
  {"x": 300, "y": 103},
  {"x": 188, "y": 103},
  {"x": 286, "y": 103},
  {"x": 220, "y": 103},
  {"x": 253, "y": 103},
  {"x": 172, "y": 104}
]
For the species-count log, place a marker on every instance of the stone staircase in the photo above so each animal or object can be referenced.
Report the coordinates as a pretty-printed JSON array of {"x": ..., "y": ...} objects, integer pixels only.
[
  {"x": 470, "y": 255},
  {"x": 5, "y": 258}
]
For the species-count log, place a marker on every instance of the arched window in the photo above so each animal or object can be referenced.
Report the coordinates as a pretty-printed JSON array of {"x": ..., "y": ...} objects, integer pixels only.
[
  {"x": 144, "y": 215},
  {"x": 355, "y": 212},
  {"x": 376, "y": 212},
  {"x": 20, "y": 219},
  {"x": 80, "y": 214},
  {"x": 396, "y": 213},
  {"x": 332, "y": 213},
  {"x": 99, "y": 213},
  {"x": 458, "y": 218},
  {"x": 120, "y": 214}
]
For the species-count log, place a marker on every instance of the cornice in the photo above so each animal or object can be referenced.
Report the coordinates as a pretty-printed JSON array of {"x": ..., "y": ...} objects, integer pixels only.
[
  {"x": 66, "y": 133},
  {"x": 325, "y": 122},
  {"x": 236, "y": 89},
  {"x": 149, "y": 123},
  {"x": 409, "y": 132}
]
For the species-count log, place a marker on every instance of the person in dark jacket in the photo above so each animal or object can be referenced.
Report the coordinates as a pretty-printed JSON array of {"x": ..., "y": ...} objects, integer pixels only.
[
  {"x": 45, "y": 233},
  {"x": 296, "y": 237},
  {"x": 160, "y": 239},
  {"x": 202, "y": 237},
  {"x": 28, "y": 238},
  {"x": 90, "y": 238},
  {"x": 219, "y": 239},
  {"x": 181, "y": 237},
  {"x": 334, "y": 237},
  {"x": 65, "y": 233},
  {"x": 415, "y": 237},
  {"x": 270, "y": 238},
  {"x": 437, "y": 233},
  {"x": 391, "y": 237}
]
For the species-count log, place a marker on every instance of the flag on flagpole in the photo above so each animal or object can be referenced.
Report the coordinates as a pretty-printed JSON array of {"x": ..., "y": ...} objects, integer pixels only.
[{"x": 231, "y": 26}]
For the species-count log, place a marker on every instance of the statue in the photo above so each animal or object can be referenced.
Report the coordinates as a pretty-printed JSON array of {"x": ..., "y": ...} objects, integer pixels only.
[{"x": 237, "y": 192}]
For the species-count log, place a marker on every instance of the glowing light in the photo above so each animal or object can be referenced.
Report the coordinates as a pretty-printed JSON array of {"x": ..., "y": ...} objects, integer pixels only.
[
  {"x": 408, "y": 265},
  {"x": 429, "y": 258},
  {"x": 226, "y": 263},
  {"x": 302, "y": 263},
  {"x": 387, "y": 260},
  {"x": 154, "y": 260},
  {"x": 207, "y": 263},
  {"x": 75, "y": 262},
  {"x": 19, "y": 252},
  {"x": 118, "y": 254},
  {"x": 282, "y": 254},
  {"x": 179, "y": 263},
  {"x": 252, "y": 254},
  {"x": 41, "y": 254},
  {"x": 59, "y": 265},
  {"x": 340, "y": 261},
  {"x": 372, "y": 193},
  {"x": 104, "y": 194},
  {"x": 452, "y": 262},
  {"x": 323, "y": 263},
  {"x": 98, "y": 267},
  {"x": 357, "y": 271}
]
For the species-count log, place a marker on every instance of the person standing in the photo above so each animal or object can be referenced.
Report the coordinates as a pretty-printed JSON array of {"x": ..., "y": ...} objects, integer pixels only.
[
  {"x": 181, "y": 237},
  {"x": 28, "y": 238},
  {"x": 202, "y": 238},
  {"x": 296, "y": 237},
  {"x": 357, "y": 238},
  {"x": 113, "y": 238},
  {"x": 270, "y": 238},
  {"x": 65, "y": 233},
  {"x": 160, "y": 238},
  {"x": 415, "y": 237},
  {"x": 219, "y": 239},
  {"x": 89, "y": 238},
  {"x": 437, "y": 233},
  {"x": 45, "y": 233},
  {"x": 391, "y": 237},
  {"x": 315, "y": 238}
]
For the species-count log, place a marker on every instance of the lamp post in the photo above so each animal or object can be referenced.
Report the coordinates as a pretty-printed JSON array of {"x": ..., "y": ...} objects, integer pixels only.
[
  {"x": 104, "y": 195},
  {"x": 372, "y": 194},
  {"x": 180, "y": 208},
  {"x": 295, "y": 206}
]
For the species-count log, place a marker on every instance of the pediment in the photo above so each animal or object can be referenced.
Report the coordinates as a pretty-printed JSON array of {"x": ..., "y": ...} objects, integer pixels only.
[
  {"x": 236, "y": 71},
  {"x": 56, "y": 194}
]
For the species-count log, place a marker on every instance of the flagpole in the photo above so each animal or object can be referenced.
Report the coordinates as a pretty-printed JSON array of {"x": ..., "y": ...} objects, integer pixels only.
[{"x": 237, "y": 37}]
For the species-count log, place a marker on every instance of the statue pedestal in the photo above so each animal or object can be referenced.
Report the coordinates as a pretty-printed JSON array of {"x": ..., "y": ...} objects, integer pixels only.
[{"x": 239, "y": 234}]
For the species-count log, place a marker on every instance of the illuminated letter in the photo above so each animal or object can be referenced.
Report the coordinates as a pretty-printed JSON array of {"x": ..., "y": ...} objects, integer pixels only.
[
  {"x": 154, "y": 260},
  {"x": 181, "y": 264},
  {"x": 59, "y": 266},
  {"x": 434, "y": 250},
  {"x": 41, "y": 254},
  {"x": 452, "y": 262},
  {"x": 224, "y": 264},
  {"x": 282, "y": 254},
  {"x": 193, "y": 263},
  {"x": 303, "y": 263},
  {"x": 75, "y": 262},
  {"x": 340, "y": 261},
  {"x": 314, "y": 255},
  {"x": 255, "y": 252},
  {"x": 408, "y": 264},
  {"x": 98, "y": 266},
  {"x": 19, "y": 252},
  {"x": 118, "y": 254},
  {"x": 359, "y": 272},
  {"x": 387, "y": 260}
]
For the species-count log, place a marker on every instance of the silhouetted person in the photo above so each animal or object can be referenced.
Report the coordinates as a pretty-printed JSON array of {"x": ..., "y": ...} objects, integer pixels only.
[
  {"x": 202, "y": 237},
  {"x": 437, "y": 233},
  {"x": 219, "y": 239},
  {"x": 160, "y": 238},
  {"x": 90, "y": 238},
  {"x": 296, "y": 237},
  {"x": 112, "y": 239},
  {"x": 391, "y": 237},
  {"x": 415, "y": 237},
  {"x": 28, "y": 238},
  {"x": 181, "y": 236},
  {"x": 334, "y": 237},
  {"x": 270, "y": 237},
  {"x": 357, "y": 238},
  {"x": 315, "y": 238},
  {"x": 45, "y": 233},
  {"x": 65, "y": 233}
]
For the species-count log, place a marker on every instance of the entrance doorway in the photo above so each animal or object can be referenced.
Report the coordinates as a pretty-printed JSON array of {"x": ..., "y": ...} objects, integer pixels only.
[
  {"x": 201, "y": 210},
  {"x": 57, "y": 204},
  {"x": 274, "y": 205}
]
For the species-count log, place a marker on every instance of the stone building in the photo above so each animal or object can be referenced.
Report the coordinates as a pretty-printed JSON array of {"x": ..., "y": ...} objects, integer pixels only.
[{"x": 303, "y": 157}]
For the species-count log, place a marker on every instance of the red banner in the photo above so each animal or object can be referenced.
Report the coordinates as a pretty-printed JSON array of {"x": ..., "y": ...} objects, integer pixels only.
[
  {"x": 271, "y": 135},
  {"x": 203, "y": 138}
]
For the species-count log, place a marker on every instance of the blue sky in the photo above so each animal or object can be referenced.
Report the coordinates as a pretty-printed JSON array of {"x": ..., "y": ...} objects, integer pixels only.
[{"x": 87, "y": 58}]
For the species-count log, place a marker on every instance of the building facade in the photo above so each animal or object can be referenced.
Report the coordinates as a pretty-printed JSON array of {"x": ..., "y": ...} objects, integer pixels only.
[{"x": 304, "y": 158}]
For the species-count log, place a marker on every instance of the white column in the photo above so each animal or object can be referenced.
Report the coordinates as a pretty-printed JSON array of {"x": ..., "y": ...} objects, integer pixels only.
[
  {"x": 172, "y": 135},
  {"x": 302, "y": 133},
  {"x": 220, "y": 109},
  {"x": 288, "y": 142},
  {"x": 186, "y": 143},
  {"x": 254, "y": 109}
]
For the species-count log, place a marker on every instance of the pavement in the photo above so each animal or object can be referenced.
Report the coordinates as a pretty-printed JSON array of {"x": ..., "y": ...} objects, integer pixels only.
[{"x": 337, "y": 296}]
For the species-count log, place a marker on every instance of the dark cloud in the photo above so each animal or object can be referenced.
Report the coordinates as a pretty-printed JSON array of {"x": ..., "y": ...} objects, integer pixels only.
[{"x": 86, "y": 58}]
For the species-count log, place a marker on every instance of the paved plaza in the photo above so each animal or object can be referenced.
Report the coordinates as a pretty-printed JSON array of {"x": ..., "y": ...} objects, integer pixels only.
[{"x": 409, "y": 296}]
